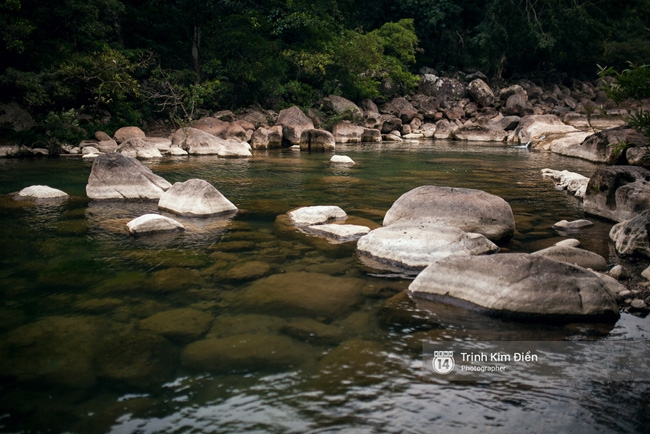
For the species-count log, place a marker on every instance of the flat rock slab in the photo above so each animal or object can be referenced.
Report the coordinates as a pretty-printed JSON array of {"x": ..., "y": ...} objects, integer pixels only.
[
  {"x": 519, "y": 285},
  {"x": 413, "y": 245},
  {"x": 195, "y": 197},
  {"x": 315, "y": 215},
  {"x": 464, "y": 208},
  {"x": 41, "y": 192},
  {"x": 116, "y": 177},
  {"x": 153, "y": 223},
  {"x": 338, "y": 233},
  {"x": 573, "y": 255}
]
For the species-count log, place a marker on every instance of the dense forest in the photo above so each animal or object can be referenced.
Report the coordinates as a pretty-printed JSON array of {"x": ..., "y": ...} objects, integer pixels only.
[{"x": 106, "y": 63}]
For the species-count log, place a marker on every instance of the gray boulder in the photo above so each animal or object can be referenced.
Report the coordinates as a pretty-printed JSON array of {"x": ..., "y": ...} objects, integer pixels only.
[
  {"x": 126, "y": 133},
  {"x": 195, "y": 197},
  {"x": 444, "y": 89},
  {"x": 618, "y": 193},
  {"x": 317, "y": 140},
  {"x": 483, "y": 131},
  {"x": 519, "y": 285},
  {"x": 213, "y": 126},
  {"x": 466, "y": 209},
  {"x": 411, "y": 245},
  {"x": 153, "y": 223},
  {"x": 444, "y": 129},
  {"x": 401, "y": 108},
  {"x": 347, "y": 132},
  {"x": 631, "y": 236},
  {"x": 572, "y": 182},
  {"x": 139, "y": 148},
  {"x": 315, "y": 215},
  {"x": 197, "y": 142},
  {"x": 267, "y": 138},
  {"x": 116, "y": 176},
  {"x": 481, "y": 92},
  {"x": 533, "y": 127},
  {"x": 339, "y": 105},
  {"x": 294, "y": 122}
]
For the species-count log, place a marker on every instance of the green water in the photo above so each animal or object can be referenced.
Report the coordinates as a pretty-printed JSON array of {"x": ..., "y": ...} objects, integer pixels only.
[{"x": 245, "y": 325}]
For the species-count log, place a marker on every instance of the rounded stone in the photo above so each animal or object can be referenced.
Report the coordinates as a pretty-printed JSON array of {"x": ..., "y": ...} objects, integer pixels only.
[{"x": 195, "y": 197}]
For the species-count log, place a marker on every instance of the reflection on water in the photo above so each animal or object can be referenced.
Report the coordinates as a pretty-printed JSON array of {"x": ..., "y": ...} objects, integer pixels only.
[{"x": 243, "y": 324}]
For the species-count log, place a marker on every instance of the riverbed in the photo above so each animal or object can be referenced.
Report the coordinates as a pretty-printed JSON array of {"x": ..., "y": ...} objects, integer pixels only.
[{"x": 90, "y": 342}]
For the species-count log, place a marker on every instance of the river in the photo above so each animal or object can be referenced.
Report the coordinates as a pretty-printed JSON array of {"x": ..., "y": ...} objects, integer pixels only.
[{"x": 101, "y": 331}]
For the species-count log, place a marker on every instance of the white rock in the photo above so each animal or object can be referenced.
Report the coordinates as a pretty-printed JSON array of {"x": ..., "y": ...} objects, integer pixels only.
[
  {"x": 570, "y": 181},
  {"x": 152, "y": 223},
  {"x": 338, "y": 233},
  {"x": 342, "y": 160},
  {"x": 195, "y": 197},
  {"x": 42, "y": 192},
  {"x": 314, "y": 215},
  {"x": 573, "y": 255},
  {"x": 572, "y": 225},
  {"x": 569, "y": 242}
]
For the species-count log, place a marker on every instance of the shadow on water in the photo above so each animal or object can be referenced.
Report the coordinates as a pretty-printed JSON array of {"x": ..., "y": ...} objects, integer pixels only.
[{"x": 243, "y": 324}]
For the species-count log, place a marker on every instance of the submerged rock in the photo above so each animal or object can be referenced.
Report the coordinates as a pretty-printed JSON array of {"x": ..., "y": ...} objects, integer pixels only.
[
  {"x": 466, "y": 209},
  {"x": 183, "y": 324},
  {"x": 520, "y": 285},
  {"x": 115, "y": 176},
  {"x": 195, "y": 197}
]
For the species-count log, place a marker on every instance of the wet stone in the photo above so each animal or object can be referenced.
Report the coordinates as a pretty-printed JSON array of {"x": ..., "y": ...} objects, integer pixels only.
[
  {"x": 257, "y": 352},
  {"x": 228, "y": 325},
  {"x": 247, "y": 271},
  {"x": 183, "y": 325},
  {"x": 174, "y": 279},
  {"x": 98, "y": 305},
  {"x": 309, "y": 330}
]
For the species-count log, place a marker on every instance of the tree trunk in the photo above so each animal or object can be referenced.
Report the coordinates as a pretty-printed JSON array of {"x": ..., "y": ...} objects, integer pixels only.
[{"x": 196, "y": 43}]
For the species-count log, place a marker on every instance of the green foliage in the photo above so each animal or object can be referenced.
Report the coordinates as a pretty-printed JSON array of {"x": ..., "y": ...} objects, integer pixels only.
[
  {"x": 633, "y": 82},
  {"x": 640, "y": 121},
  {"x": 61, "y": 128}
]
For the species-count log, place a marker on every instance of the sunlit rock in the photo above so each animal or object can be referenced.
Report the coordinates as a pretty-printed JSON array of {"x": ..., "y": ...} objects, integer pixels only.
[
  {"x": 466, "y": 209},
  {"x": 195, "y": 197},
  {"x": 115, "y": 176},
  {"x": 41, "y": 192},
  {"x": 314, "y": 215},
  {"x": 573, "y": 255},
  {"x": 519, "y": 284}
]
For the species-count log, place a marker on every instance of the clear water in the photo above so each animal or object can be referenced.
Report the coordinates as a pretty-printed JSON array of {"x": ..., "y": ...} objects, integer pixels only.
[{"x": 80, "y": 350}]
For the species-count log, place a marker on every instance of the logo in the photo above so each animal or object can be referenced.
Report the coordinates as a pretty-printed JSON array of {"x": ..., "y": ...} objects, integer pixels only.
[{"x": 443, "y": 362}]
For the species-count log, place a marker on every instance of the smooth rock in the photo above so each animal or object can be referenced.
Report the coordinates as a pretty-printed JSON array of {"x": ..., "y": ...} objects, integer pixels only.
[
  {"x": 533, "y": 127},
  {"x": 184, "y": 324},
  {"x": 115, "y": 176},
  {"x": 312, "y": 295},
  {"x": 342, "y": 160},
  {"x": 153, "y": 223},
  {"x": 138, "y": 148},
  {"x": 197, "y": 142},
  {"x": 317, "y": 140},
  {"x": 569, "y": 242},
  {"x": 618, "y": 272},
  {"x": 314, "y": 215},
  {"x": 245, "y": 352},
  {"x": 195, "y": 197},
  {"x": 466, "y": 209},
  {"x": 293, "y": 122},
  {"x": 573, "y": 255},
  {"x": 126, "y": 133},
  {"x": 42, "y": 192},
  {"x": 411, "y": 245},
  {"x": 520, "y": 285}
]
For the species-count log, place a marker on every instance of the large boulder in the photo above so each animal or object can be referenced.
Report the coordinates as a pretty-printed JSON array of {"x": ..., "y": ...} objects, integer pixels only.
[
  {"x": 444, "y": 89},
  {"x": 411, "y": 245},
  {"x": 267, "y": 138},
  {"x": 116, "y": 176},
  {"x": 195, "y": 197},
  {"x": 294, "y": 122},
  {"x": 519, "y": 285},
  {"x": 573, "y": 145},
  {"x": 444, "y": 129},
  {"x": 197, "y": 142},
  {"x": 618, "y": 193},
  {"x": 15, "y": 116},
  {"x": 631, "y": 236},
  {"x": 401, "y": 108},
  {"x": 390, "y": 123},
  {"x": 126, "y": 133},
  {"x": 517, "y": 103},
  {"x": 139, "y": 148},
  {"x": 153, "y": 223},
  {"x": 339, "y": 105},
  {"x": 233, "y": 148},
  {"x": 466, "y": 209},
  {"x": 481, "y": 92},
  {"x": 533, "y": 127},
  {"x": 213, "y": 126},
  {"x": 347, "y": 132},
  {"x": 317, "y": 140},
  {"x": 484, "y": 131}
]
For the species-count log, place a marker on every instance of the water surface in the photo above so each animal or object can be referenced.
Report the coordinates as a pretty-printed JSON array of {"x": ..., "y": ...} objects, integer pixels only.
[{"x": 91, "y": 340}]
